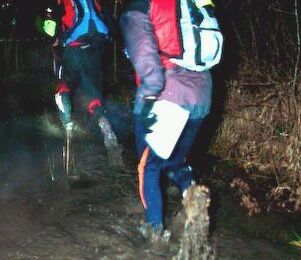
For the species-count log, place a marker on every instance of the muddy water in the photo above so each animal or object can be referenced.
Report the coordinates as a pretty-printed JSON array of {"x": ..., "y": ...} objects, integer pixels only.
[{"x": 97, "y": 216}]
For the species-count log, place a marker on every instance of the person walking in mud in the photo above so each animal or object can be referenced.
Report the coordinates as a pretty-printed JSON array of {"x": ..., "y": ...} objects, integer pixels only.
[
  {"x": 80, "y": 30},
  {"x": 165, "y": 44}
]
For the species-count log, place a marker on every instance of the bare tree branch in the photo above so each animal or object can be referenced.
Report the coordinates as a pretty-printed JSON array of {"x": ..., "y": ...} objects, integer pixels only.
[{"x": 278, "y": 10}]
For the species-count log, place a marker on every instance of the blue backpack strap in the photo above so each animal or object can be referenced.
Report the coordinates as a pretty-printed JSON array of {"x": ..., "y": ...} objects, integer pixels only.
[{"x": 89, "y": 23}]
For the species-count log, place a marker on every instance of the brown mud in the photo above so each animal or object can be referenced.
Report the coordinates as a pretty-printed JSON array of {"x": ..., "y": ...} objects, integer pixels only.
[{"x": 96, "y": 217}]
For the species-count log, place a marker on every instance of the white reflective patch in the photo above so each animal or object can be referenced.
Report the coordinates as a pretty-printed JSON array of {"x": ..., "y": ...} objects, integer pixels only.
[
  {"x": 189, "y": 45},
  {"x": 59, "y": 102},
  {"x": 210, "y": 37},
  {"x": 60, "y": 72},
  {"x": 187, "y": 34},
  {"x": 85, "y": 46},
  {"x": 171, "y": 120}
]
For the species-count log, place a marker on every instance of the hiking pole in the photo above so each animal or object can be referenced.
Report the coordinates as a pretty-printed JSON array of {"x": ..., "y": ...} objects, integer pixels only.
[
  {"x": 50, "y": 161},
  {"x": 67, "y": 152}
]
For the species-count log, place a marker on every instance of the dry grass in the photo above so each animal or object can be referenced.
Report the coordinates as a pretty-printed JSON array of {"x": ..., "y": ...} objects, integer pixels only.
[{"x": 261, "y": 131}]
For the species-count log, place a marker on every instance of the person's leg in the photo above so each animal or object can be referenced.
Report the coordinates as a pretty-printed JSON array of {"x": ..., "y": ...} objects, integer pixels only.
[
  {"x": 63, "y": 88},
  {"x": 149, "y": 169},
  {"x": 176, "y": 168},
  {"x": 90, "y": 85},
  {"x": 90, "y": 81},
  {"x": 63, "y": 102}
]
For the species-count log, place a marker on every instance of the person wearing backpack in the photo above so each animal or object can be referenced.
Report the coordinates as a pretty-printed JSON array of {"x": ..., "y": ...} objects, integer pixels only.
[
  {"x": 80, "y": 30},
  {"x": 172, "y": 46}
]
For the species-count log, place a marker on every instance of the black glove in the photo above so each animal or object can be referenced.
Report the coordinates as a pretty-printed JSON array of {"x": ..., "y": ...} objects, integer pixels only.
[{"x": 148, "y": 118}]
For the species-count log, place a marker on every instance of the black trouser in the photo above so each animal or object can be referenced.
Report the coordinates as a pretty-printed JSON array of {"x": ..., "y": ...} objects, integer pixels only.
[{"x": 83, "y": 66}]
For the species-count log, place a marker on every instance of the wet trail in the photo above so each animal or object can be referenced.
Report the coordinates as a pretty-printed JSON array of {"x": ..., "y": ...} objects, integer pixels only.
[{"x": 98, "y": 217}]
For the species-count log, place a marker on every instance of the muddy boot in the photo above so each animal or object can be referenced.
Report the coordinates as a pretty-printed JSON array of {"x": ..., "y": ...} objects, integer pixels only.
[
  {"x": 113, "y": 148},
  {"x": 195, "y": 243},
  {"x": 152, "y": 235}
]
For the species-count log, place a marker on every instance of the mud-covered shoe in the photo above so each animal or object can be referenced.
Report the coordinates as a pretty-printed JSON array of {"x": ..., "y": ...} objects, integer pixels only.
[
  {"x": 182, "y": 177},
  {"x": 195, "y": 242},
  {"x": 114, "y": 149},
  {"x": 154, "y": 235}
]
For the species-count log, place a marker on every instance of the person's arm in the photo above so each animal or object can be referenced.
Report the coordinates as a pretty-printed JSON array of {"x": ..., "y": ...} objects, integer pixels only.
[{"x": 143, "y": 52}]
